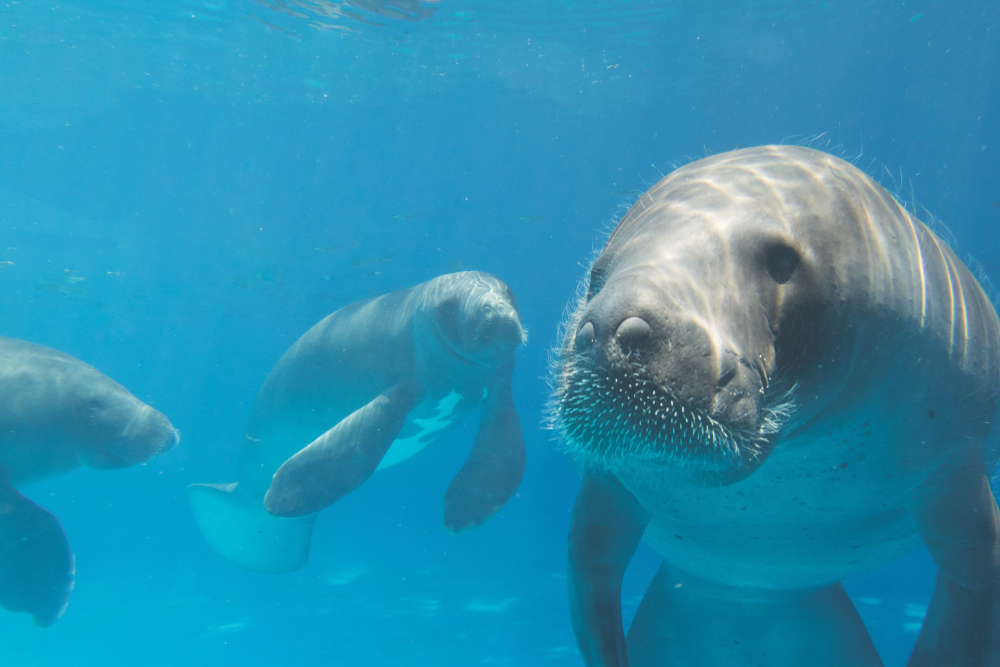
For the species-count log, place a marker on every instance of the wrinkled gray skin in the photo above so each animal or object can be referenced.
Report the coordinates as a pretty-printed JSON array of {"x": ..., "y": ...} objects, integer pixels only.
[
  {"x": 57, "y": 414},
  {"x": 367, "y": 387},
  {"x": 777, "y": 377}
]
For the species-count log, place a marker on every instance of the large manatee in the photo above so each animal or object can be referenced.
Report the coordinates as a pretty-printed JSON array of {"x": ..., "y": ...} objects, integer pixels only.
[
  {"x": 368, "y": 387},
  {"x": 56, "y": 414},
  {"x": 778, "y": 377}
]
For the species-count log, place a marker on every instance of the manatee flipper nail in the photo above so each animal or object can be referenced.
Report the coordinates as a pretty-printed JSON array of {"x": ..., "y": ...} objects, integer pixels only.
[
  {"x": 344, "y": 457},
  {"x": 494, "y": 468},
  {"x": 36, "y": 563}
]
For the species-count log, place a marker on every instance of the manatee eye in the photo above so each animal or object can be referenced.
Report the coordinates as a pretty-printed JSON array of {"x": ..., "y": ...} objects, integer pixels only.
[
  {"x": 93, "y": 405},
  {"x": 781, "y": 262}
]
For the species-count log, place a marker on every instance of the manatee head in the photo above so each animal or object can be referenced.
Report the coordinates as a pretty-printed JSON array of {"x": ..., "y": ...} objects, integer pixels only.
[
  {"x": 701, "y": 331},
  {"x": 117, "y": 430},
  {"x": 476, "y": 315},
  {"x": 491, "y": 321}
]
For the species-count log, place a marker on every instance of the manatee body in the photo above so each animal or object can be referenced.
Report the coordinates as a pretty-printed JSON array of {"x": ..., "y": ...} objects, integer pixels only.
[
  {"x": 367, "y": 387},
  {"x": 57, "y": 414},
  {"x": 778, "y": 377}
]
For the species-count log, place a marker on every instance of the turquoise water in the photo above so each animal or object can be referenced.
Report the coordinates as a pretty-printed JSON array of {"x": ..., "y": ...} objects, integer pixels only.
[{"x": 188, "y": 186}]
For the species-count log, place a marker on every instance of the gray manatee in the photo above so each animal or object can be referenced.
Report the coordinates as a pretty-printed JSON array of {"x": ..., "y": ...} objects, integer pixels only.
[
  {"x": 366, "y": 388},
  {"x": 778, "y": 377},
  {"x": 56, "y": 414}
]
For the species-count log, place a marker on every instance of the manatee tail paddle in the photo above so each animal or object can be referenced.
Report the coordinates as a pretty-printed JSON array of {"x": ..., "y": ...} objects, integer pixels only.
[{"x": 244, "y": 533}]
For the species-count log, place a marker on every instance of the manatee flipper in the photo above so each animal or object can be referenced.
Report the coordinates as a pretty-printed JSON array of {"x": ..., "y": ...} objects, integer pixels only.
[
  {"x": 237, "y": 527},
  {"x": 605, "y": 531},
  {"x": 341, "y": 459},
  {"x": 959, "y": 522},
  {"x": 493, "y": 471},
  {"x": 36, "y": 563}
]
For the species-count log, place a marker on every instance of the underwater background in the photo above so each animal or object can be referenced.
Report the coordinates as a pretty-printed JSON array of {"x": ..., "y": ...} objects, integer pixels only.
[{"x": 186, "y": 186}]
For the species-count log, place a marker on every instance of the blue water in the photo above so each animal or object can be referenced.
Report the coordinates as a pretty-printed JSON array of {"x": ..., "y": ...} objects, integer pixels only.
[{"x": 186, "y": 186}]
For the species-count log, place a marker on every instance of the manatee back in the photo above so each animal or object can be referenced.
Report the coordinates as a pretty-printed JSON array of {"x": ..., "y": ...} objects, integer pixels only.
[{"x": 337, "y": 366}]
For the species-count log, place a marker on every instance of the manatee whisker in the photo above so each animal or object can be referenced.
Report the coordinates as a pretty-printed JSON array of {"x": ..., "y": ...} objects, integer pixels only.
[{"x": 606, "y": 418}]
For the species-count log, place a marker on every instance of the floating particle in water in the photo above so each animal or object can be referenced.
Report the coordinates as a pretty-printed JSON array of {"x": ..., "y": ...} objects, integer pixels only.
[
  {"x": 70, "y": 284},
  {"x": 6, "y": 262},
  {"x": 345, "y": 575},
  {"x": 407, "y": 216},
  {"x": 431, "y": 607},
  {"x": 915, "y": 610},
  {"x": 532, "y": 218},
  {"x": 327, "y": 248},
  {"x": 560, "y": 651},
  {"x": 486, "y": 607},
  {"x": 358, "y": 263},
  {"x": 269, "y": 277},
  {"x": 225, "y": 629}
]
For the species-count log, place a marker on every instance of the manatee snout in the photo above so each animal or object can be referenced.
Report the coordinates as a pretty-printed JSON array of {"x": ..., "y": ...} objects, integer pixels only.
[
  {"x": 494, "y": 326},
  {"x": 171, "y": 438},
  {"x": 128, "y": 432},
  {"x": 631, "y": 329},
  {"x": 153, "y": 435},
  {"x": 501, "y": 324}
]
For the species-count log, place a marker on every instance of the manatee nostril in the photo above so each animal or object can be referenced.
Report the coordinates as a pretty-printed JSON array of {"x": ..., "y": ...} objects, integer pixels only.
[
  {"x": 584, "y": 337},
  {"x": 632, "y": 333}
]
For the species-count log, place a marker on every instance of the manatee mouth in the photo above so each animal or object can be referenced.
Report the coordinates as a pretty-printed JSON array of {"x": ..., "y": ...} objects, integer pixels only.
[
  {"x": 502, "y": 330},
  {"x": 613, "y": 419},
  {"x": 496, "y": 334}
]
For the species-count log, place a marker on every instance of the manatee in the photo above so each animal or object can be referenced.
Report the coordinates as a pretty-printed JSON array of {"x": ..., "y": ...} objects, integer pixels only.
[
  {"x": 778, "y": 377},
  {"x": 57, "y": 414},
  {"x": 366, "y": 388}
]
